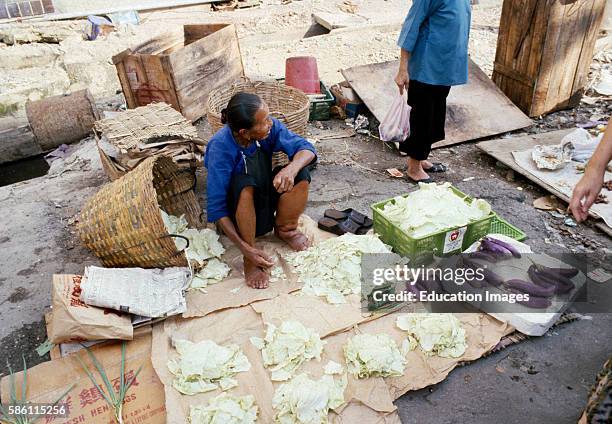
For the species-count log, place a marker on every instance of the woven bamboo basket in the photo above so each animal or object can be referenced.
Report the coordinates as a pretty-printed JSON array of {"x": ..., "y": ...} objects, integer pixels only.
[
  {"x": 290, "y": 105},
  {"x": 122, "y": 224}
]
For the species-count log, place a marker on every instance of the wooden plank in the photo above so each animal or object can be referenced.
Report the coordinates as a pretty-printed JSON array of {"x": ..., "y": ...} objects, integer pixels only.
[
  {"x": 536, "y": 51},
  {"x": 466, "y": 117},
  {"x": 184, "y": 60},
  {"x": 501, "y": 149},
  {"x": 208, "y": 65},
  {"x": 193, "y": 33},
  {"x": 586, "y": 52},
  {"x": 204, "y": 65},
  {"x": 547, "y": 76},
  {"x": 195, "y": 97},
  {"x": 125, "y": 84},
  {"x": 514, "y": 75},
  {"x": 570, "y": 41}
]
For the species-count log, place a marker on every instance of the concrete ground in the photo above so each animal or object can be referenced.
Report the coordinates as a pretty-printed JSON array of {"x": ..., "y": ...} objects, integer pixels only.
[{"x": 542, "y": 380}]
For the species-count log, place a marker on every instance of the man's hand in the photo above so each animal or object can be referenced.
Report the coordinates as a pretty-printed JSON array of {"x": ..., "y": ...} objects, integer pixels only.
[
  {"x": 402, "y": 79},
  {"x": 584, "y": 195},
  {"x": 283, "y": 182},
  {"x": 257, "y": 257}
]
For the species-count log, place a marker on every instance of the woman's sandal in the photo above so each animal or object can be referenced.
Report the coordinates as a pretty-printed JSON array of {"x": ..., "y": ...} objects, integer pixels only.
[
  {"x": 339, "y": 227},
  {"x": 354, "y": 215},
  {"x": 437, "y": 167}
]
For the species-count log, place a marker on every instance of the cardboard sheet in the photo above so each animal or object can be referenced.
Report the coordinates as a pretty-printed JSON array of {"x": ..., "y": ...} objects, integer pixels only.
[
  {"x": 145, "y": 401},
  {"x": 482, "y": 333},
  {"x": 233, "y": 291},
  {"x": 466, "y": 118},
  {"x": 237, "y": 326},
  {"x": 313, "y": 312},
  {"x": 564, "y": 180}
]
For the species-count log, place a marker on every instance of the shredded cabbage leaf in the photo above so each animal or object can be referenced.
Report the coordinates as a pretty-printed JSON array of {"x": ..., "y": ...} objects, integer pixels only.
[
  {"x": 374, "y": 355},
  {"x": 213, "y": 272},
  {"x": 225, "y": 409},
  {"x": 203, "y": 252},
  {"x": 332, "y": 268},
  {"x": 433, "y": 208},
  {"x": 305, "y": 401},
  {"x": 436, "y": 334},
  {"x": 285, "y": 348},
  {"x": 206, "y": 366}
]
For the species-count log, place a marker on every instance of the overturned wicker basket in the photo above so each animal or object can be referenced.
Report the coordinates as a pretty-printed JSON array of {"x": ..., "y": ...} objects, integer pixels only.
[{"x": 122, "y": 223}]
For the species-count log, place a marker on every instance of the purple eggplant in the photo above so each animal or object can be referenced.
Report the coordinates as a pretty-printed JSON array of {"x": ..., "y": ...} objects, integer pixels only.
[
  {"x": 492, "y": 278},
  {"x": 564, "y": 272},
  {"x": 505, "y": 245},
  {"x": 534, "y": 302},
  {"x": 532, "y": 289},
  {"x": 431, "y": 285},
  {"x": 487, "y": 245},
  {"x": 415, "y": 288},
  {"x": 537, "y": 278},
  {"x": 485, "y": 256},
  {"x": 563, "y": 285}
]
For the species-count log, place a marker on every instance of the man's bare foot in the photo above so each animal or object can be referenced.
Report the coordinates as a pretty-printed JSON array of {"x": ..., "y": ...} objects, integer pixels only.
[
  {"x": 425, "y": 164},
  {"x": 255, "y": 277},
  {"x": 294, "y": 238}
]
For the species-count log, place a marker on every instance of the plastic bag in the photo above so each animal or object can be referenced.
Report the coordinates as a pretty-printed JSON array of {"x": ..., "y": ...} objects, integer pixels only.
[
  {"x": 396, "y": 125},
  {"x": 584, "y": 144}
]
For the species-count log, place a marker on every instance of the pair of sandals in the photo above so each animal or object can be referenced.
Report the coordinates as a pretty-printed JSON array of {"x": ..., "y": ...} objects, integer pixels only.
[
  {"x": 346, "y": 221},
  {"x": 435, "y": 167}
]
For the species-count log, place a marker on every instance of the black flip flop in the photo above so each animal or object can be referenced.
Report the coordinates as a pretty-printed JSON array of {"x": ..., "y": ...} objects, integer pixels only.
[
  {"x": 354, "y": 215},
  {"x": 424, "y": 180},
  {"x": 332, "y": 226},
  {"x": 437, "y": 167}
]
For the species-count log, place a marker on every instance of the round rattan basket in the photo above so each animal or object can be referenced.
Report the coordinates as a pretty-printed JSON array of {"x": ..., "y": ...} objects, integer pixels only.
[
  {"x": 122, "y": 223},
  {"x": 288, "y": 104}
]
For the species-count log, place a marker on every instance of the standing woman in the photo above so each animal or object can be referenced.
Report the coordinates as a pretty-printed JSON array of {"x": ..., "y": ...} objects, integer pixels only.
[
  {"x": 434, "y": 57},
  {"x": 246, "y": 197}
]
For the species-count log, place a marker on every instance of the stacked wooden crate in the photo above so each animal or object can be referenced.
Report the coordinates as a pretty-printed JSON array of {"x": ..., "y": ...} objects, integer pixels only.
[
  {"x": 181, "y": 69},
  {"x": 544, "y": 51}
]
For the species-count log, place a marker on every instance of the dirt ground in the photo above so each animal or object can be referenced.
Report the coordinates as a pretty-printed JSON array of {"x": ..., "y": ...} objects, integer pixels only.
[{"x": 542, "y": 380}]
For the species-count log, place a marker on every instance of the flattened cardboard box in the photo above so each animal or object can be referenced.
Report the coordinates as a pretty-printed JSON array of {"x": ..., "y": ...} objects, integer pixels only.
[{"x": 145, "y": 401}]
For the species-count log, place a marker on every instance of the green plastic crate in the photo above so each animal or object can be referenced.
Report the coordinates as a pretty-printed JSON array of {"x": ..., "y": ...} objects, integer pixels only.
[
  {"x": 421, "y": 250},
  {"x": 319, "y": 108},
  {"x": 501, "y": 226}
]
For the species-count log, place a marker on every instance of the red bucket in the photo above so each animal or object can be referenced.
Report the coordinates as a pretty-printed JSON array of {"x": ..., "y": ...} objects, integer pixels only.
[{"x": 302, "y": 73}]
